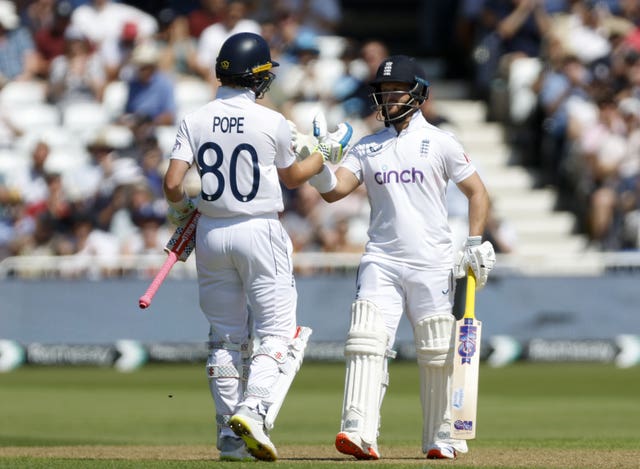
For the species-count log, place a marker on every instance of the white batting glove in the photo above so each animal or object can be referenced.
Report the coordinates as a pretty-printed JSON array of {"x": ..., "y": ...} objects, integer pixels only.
[
  {"x": 303, "y": 144},
  {"x": 478, "y": 256},
  {"x": 332, "y": 145},
  {"x": 179, "y": 212}
]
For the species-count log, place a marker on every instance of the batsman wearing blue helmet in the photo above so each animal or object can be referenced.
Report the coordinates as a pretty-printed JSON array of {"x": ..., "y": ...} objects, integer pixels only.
[
  {"x": 242, "y": 151},
  {"x": 409, "y": 263}
]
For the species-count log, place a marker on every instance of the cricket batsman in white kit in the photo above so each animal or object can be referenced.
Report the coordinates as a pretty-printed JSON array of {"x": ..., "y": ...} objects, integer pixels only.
[
  {"x": 409, "y": 265},
  {"x": 243, "y": 254}
]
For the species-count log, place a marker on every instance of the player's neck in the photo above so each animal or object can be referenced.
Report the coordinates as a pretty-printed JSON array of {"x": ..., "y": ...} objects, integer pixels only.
[{"x": 403, "y": 124}]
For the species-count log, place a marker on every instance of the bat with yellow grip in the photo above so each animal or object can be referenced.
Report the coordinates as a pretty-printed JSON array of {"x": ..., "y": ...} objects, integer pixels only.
[{"x": 466, "y": 366}]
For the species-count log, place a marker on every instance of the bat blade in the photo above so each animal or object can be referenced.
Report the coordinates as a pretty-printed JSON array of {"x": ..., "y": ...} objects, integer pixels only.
[
  {"x": 183, "y": 241},
  {"x": 466, "y": 367},
  {"x": 178, "y": 248}
]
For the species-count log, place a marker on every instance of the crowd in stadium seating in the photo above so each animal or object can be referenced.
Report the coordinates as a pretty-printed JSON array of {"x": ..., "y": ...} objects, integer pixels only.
[
  {"x": 92, "y": 91},
  {"x": 564, "y": 76}
]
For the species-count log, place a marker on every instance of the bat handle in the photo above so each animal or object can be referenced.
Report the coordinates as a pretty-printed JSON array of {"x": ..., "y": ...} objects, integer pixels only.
[{"x": 145, "y": 300}]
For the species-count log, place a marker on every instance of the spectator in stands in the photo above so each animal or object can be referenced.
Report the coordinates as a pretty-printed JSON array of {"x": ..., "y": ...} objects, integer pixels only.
[
  {"x": 321, "y": 17},
  {"x": 151, "y": 164},
  {"x": 38, "y": 14},
  {"x": 199, "y": 19},
  {"x": 300, "y": 79},
  {"x": 177, "y": 48},
  {"x": 513, "y": 29},
  {"x": 77, "y": 75},
  {"x": 234, "y": 20},
  {"x": 41, "y": 226},
  {"x": 103, "y": 20},
  {"x": 558, "y": 88},
  {"x": 57, "y": 205},
  {"x": 151, "y": 93},
  {"x": 18, "y": 56},
  {"x": 145, "y": 216},
  {"x": 50, "y": 40},
  {"x": 38, "y": 240},
  {"x": 96, "y": 180},
  {"x": 116, "y": 55},
  {"x": 352, "y": 90},
  {"x": 582, "y": 32},
  {"x": 95, "y": 252},
  {"x": 150, "y": 237},
  {"x": 32, "y": 183}
]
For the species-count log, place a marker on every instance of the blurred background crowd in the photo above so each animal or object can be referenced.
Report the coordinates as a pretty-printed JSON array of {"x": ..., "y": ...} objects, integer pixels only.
[{"x": 92, "y": 93}]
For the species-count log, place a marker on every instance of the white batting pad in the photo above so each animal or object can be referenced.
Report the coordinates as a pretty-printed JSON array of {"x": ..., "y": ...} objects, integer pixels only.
[
  {"x": 366, "y": 371},
  {"x": 434, "y": 349},
  {"x": 227, "y": 371},
  {"x": 288, "y": 370}
]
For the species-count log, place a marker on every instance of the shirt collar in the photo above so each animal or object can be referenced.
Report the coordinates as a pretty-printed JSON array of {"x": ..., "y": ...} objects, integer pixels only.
[{"x": 225, "y": 92}]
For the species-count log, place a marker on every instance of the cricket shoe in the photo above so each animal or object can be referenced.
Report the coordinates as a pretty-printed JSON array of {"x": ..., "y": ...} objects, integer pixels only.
[
  {"x": 249, "y": 426},
  {"x": 351, "y": 444},
  {"x": 447, "y": 451},
  {"x": 234, "y": 449}
]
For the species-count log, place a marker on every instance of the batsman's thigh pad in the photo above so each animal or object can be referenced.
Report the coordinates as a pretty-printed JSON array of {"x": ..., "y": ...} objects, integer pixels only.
[
  {"x": 366, "y": 371},
  {"x": 275, "y": 364},
  {"x": 227, "y": 370},
  {"x": 434, "y": 349}
]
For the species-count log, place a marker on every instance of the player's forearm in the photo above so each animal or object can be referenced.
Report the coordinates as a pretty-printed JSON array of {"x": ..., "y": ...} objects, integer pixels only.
[
  {"x": 478, "y": 213},
  {"x": 172, "y": 183},
  {"x": 300, "y": 171},
  {"x": 345, "y": 184}
]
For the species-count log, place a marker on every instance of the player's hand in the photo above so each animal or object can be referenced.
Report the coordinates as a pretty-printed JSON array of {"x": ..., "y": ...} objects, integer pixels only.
[
  {"x": 303, "y": 144},
  {"x": 179, "y": 212},
  {"x": 481, "y": 257},
  {"x": 332, "y": 145}
]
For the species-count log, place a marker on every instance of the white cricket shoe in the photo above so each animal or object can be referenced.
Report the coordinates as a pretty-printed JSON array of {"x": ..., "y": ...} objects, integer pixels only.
[
  {"x": 448, "y": 450},
  {"x": 460, "y": 446},
  {"x": 350, "y": 443},
  {"x": 249, "y": 426},
  {"x": 233, "y": 449}
]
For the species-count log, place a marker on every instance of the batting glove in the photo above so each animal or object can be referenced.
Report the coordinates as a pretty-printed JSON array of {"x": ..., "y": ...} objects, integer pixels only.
[
  {"x": 332, "y": 145},
  {"x": 179, "y": 212},
  {"x": 478, "y": 256},
  {"x": 303, "y": 144}
]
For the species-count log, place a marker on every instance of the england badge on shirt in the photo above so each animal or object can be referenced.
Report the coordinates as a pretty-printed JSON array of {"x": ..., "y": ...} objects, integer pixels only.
[{"x": 424, "y": 148}]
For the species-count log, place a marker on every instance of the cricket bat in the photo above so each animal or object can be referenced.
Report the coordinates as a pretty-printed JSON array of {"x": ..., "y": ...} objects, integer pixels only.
[
  {"x": 464, "y": 382},
  {"x": 178, "y": 248}
]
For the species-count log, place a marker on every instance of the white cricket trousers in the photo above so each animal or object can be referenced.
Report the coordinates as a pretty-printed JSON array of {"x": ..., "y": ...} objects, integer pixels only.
[{"x": 244, "y": 264}]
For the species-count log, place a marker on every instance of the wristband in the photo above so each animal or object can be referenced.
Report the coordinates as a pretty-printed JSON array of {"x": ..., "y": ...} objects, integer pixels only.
[
  {"x": 474, "y": 241},
  {"x": 324, "y": 181},
  {"x": 182, "y": 206}
]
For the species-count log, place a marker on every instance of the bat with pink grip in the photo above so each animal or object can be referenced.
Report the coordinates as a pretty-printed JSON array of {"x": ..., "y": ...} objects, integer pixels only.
[{"x": 181, "y": 244}]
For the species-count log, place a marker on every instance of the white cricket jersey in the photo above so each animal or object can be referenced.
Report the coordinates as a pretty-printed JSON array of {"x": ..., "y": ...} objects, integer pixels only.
[
  {"x": 406, "y": 178},
  {"x": 237, "y": 145}
]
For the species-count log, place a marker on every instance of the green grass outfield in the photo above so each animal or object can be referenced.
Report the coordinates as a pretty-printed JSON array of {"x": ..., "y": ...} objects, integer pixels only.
[{"x": 530, "y": 416}]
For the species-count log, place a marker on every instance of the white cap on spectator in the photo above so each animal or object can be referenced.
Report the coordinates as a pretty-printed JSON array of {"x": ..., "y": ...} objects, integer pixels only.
[
  {"x": 8, "y": 17},
  {"x": 146, "y": 53}
]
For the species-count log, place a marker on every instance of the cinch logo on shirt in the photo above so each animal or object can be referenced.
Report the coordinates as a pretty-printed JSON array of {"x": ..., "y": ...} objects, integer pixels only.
[{"x": 405, "y": 176}]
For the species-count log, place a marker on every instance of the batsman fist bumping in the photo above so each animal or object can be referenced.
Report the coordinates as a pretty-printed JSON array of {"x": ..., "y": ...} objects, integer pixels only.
[
  {"x": 243, "y": 255},
  {"x": 407, "y": 267}
]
